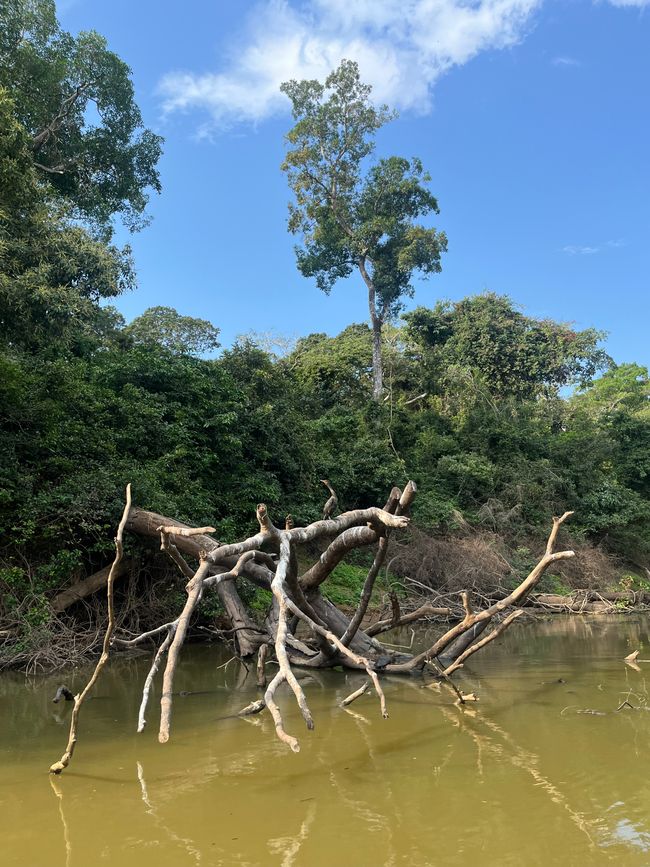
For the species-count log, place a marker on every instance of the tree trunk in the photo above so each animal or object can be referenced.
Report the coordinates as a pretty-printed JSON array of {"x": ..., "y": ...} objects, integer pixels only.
[
  {"x": 377, "y": 322},
  {"x": 87, "y": 587},
  {"x": 377, "y": 371}
]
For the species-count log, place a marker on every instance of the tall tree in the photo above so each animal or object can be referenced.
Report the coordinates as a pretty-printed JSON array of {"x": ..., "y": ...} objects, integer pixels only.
[
  {"x": 182, "y": 335},
  {"x": 355, "y": 216},
  {"x": 75, "y": 99}
]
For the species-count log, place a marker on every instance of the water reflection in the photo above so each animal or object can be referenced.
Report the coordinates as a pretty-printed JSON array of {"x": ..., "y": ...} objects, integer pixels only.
[
  {"x": 289, "y": 847},
  {"x": 66, "y": 832},
  {"x": 189, "y": 845},
  {"x": 521, "y": 777}
]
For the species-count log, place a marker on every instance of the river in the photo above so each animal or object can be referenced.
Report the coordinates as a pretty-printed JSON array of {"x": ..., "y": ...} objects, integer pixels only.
[{"x": 524, "y": 776}]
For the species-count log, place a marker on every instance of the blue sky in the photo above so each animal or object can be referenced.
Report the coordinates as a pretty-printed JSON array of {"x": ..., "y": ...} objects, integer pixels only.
[{"x": 532, "y": 118}]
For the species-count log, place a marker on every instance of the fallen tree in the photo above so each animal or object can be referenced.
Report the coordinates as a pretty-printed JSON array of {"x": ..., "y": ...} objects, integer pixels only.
[{"x": 302, "y": 627}]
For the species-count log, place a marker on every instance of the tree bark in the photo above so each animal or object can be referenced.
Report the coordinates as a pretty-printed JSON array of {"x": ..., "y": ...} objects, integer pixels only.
[
  {"x": 79, "y": 699},
  {"x": 81, "y": 589},
  {"x": 377, "y": 323},
  {"x": 377, "y": 370}
]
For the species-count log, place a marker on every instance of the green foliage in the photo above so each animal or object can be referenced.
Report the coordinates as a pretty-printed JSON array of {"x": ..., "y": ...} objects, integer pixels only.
[
  {"x": 52, "y": 273},
  {"x": 554, "y": 584},
  {"x": 74, "y": 98},
  {"x": 473, "y": 412},
  {"x": 182, "y": 335},
  {"x": 337, "y": 369},
  {"x": 625, "y": 387},
  {"x": 346, "y": 213},
  {"x": 515, "y": 355},
  {"x": 352, "y": 216},
  {"x": 632, "y": 581},
  {"x": 345, "y": 584}
]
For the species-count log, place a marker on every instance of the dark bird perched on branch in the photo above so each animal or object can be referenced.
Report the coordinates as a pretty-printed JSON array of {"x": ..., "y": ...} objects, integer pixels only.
[{"x": 332, "y": 503}]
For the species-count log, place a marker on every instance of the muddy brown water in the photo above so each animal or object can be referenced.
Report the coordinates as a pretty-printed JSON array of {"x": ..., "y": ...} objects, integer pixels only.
[{"x": 523, "y": 777}]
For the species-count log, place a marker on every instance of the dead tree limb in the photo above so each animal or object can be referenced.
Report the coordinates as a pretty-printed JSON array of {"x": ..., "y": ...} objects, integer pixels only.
[
  {"x": 194, "y": 590},
  {"x": 515, "y": 598},
  {"x": 269, "y": 559},
  {"x": 152, "y": 673},
  {"x": 174, "y": 554},
  {"x": 79, "y": 699},
  {"x": 496, "y": 632},
  {"x": 87, "y": 586},
  {"x": 285, "y": 673},
  {"x": 345, "y": 652},
  {"x": 424, "y": 611},
  {"x": 398, "y": 503},
  {"x": 262, "y": 653},
  {"x": 356, "y": 694}
]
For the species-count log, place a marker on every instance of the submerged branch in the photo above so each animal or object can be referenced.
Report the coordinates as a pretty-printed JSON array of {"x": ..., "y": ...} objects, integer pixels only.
[{"x": 79, "y": 699}]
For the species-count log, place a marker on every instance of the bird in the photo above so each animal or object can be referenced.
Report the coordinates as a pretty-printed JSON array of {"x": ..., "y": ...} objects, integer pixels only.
[{"x": 332, "y": 503}]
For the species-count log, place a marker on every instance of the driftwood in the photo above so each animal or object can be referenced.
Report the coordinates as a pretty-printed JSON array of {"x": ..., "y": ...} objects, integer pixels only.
[
  {"x": 79, "y": 699},
  {"x": 327, "y": 637}
]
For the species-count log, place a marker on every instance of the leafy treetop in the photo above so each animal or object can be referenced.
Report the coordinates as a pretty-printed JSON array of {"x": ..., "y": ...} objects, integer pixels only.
[
  {"x": 182, "y": 335},
  {"x": 516, "y": 355},
  {"x": 75, "y": 99},
  {"x": 352, "y": 216}
]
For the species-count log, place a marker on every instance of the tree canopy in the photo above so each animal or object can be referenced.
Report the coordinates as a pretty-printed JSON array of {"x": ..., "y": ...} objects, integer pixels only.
[
  {"x": 475, "y": 401},
  {"x": 353, "y": 216},
  {"x": 52, "y": 271},
  {"x": 180, "y": 334},
  {"x": 516, "y": 355},
  {"x": 74, "y": 98}
]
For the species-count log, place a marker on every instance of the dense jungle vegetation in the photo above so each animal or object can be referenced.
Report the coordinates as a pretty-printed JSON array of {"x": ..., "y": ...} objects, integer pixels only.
[{"x": 502, "y": 419}]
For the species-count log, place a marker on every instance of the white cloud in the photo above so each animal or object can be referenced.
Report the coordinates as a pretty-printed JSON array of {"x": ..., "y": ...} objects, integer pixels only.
[
  {"x": 402, "y": 46},
  {"x": 402, "y": 49},
  {"x": 579, "y": 250},
  {"x": 565, "y": 61}
]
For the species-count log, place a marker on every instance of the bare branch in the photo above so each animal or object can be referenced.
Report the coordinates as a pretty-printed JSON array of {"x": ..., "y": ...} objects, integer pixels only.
[
  {"x": 175, "y": 554},
  {"x": 79, "y": 699},
  {"x": 426, "y": 610},
  {"x": 398, "y": 502},
  {"x": 285, "y": 673},
  {"x": 185, "y": 531},
  {"x": 262, "y": 653},
  {"x": 152, "y": 673},
  {"x": 194, "y": 593},
  {"x": 557, "y": 523},
  {"x": 514, "y": 598},
  {"x": 355, "y": 695},
  {"x": 496, "y": 632},
  {"x": 86, "y": 587}
]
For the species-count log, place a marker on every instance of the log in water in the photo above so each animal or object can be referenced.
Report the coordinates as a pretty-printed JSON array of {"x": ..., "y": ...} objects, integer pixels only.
[{"x": 542, "y": 770}]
